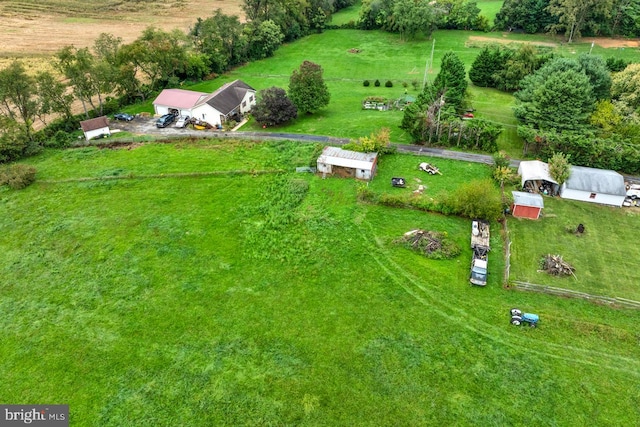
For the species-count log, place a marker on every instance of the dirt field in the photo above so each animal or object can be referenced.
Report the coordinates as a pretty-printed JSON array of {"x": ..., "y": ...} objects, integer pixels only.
[
  {"x": 41, "y": 31},
  {"x": 602, "y": 42}
]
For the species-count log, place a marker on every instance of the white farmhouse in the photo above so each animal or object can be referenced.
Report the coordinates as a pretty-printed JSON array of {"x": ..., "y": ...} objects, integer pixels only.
[
  {"x": 345, "y": 163},
  {"x": 232, "y": 99}
]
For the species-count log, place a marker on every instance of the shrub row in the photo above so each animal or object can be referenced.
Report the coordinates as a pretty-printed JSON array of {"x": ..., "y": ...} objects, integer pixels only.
[
  {"x": 377, "y": 83},
  {"x": 478, "y": 199},
  {"x": 17, "y": 176}
]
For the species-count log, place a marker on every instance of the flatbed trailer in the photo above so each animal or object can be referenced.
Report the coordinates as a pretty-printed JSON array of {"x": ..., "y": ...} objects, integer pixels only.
[{"x": 480, "y": 245}]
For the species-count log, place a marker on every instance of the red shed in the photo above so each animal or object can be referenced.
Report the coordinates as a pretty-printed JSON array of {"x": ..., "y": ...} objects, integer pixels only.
[{"x": 526, "y": 205}]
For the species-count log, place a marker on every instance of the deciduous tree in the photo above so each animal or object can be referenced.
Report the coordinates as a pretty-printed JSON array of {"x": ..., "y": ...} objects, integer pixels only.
[
  {"x": 53, "y": 97},
  {"x": 18, "y": 102},
  {"x": 559, "y": 167},
  {"x": 273, "y": 107},
  {"x": 307, "y": 88},
  {"x": 574, "y": 15}
]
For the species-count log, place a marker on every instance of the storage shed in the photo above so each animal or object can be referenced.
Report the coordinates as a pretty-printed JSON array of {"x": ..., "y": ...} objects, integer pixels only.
[
  {"x": 601, "y": 186},
  {"x": 526, "y": 205},
  {"x": 535, "y": 177},
  {"x": 94, "y": 128},
  {"x": 345, "y": 163}
]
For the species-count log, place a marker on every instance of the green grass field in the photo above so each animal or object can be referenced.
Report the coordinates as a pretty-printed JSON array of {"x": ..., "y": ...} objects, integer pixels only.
[
  {"x": 239, "y": 298},
  {"x": 384, "y": 56}
]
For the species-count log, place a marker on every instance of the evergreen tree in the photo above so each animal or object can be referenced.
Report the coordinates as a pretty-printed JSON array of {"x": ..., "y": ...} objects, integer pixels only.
[
  {"x": 307, "y": 88},
  {"x": 452, "y": 80},
  {"x": 488, "y": 62}
]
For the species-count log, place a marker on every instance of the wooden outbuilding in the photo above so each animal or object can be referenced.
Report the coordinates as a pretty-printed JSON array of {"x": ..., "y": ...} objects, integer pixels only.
[{"x": 526, "y": 205}]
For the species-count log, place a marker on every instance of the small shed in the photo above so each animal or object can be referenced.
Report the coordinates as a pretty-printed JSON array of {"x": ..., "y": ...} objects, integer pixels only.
[
  {"x": 345, "y": 163},
  {"x": 601, "y": 186},
  {"x": 95, "y": 128},
  {"x": 526, "y": 205},
  {"x": 535, "y": 177}
]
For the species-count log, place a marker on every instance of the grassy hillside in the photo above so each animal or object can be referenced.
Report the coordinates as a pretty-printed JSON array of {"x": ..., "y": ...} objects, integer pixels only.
[
  {"x": 383, "y": 56},
  {"x": 239, "y": 298}
]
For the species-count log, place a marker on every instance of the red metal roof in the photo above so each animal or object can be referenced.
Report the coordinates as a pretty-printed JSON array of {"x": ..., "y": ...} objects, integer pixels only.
[
  {"x": 93, "y": 124},
  {"x": 179, "y": 98}
]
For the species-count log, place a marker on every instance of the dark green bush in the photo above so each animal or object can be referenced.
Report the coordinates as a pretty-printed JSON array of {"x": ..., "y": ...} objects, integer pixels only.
[
  {"x": 376, "y": 83},
  {"x": 366, "y": 83},
  {"x": 389, "y": 83},
  {"x": 17, "y": 176}
]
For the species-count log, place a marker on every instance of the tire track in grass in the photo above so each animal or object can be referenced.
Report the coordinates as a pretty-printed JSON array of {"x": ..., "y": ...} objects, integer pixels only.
[{"x": 445, "y": 309}]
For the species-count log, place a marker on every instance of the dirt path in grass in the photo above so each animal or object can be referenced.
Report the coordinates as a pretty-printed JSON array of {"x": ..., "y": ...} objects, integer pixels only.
[
  {"x": 505, "y": 40},
  {"x": 600, "y": 41}
]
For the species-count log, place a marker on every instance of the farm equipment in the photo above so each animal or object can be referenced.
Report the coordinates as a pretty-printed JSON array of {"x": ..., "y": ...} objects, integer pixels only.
[
  {"x": 519, "y": 318},
  {"x": 480, "y": 245},
  {"x": 398, "y": 182},
  {"x": 429, "y": 168}
]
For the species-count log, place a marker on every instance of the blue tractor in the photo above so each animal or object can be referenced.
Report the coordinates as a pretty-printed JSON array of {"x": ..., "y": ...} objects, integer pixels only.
[{"x": 519, "y": 318}]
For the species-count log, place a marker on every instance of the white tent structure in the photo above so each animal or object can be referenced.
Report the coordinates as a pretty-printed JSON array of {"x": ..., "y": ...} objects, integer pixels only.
[
  {"x": 594, "y": 185},
  {"x": 535, "y": 177}
]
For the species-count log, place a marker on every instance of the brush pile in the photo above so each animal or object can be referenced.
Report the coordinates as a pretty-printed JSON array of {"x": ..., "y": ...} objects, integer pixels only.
[
  {"x": 432, "y": 244},
  {"x": 556, "y": 266}
]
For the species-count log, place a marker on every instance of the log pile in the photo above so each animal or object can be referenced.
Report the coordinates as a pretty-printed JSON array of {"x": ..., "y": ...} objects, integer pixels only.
[
  {"x": 423, "y": 241},
  {"x": 556, "y": 266}
]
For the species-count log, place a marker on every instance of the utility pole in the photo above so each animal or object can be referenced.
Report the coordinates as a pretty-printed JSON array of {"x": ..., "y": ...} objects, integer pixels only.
[{"x": 428, "y": 65}]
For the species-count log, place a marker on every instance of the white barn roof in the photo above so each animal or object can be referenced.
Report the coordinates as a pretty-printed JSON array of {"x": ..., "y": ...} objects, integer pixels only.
[
  {"x": 345, "y": 158},
  {"x": 534, "y": 170},
  {"x": 527, "y": 199},
  {"x": 599, "y": 181}
]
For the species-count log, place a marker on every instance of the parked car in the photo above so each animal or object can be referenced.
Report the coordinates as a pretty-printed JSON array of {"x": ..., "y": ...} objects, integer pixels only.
[
  {"x": 165, "y": 120},
  {"x": 123, "y": 116},
  {"x": 182, "y": 121}
]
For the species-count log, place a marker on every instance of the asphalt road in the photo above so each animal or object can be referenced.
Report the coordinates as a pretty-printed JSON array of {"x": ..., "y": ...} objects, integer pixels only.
[{"x": 142, "y": 125}]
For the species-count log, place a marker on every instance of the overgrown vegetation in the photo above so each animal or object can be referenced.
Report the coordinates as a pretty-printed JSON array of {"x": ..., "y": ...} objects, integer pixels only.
[{"x": 17, "y": 176}]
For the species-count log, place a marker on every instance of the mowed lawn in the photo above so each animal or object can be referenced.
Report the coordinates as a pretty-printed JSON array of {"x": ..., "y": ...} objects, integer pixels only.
[
  {"x": 605, "y": 256},
  {"x": 252, "y": 299}
]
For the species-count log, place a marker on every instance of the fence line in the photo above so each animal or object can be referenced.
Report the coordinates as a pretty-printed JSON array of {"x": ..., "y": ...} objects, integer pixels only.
[
  {"x": 622, "y": 302},
  {"x": 507, "y": 254}
]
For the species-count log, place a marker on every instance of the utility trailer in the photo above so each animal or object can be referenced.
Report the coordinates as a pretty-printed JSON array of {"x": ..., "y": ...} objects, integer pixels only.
[{"x": 480, "y": 245}]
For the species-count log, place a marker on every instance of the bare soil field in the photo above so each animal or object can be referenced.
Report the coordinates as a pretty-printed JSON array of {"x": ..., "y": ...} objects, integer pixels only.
[
  {"x": 40, "y": 28},
  {"x": 600, "y": 41},
  {"x": 482, "y": 40}
]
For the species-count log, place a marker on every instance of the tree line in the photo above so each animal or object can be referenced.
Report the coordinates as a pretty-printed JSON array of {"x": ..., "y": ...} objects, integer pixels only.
[
  {"x": 574, "y": 18},
  {"x": 111, "y": 73},
  {"x": 586, "y": 107}
]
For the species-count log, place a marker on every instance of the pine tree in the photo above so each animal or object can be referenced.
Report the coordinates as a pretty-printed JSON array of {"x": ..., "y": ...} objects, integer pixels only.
[{"x": 452, "y": 80}]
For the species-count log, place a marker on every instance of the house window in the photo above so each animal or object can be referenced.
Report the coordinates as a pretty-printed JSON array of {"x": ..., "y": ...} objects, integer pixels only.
[
  {"x": 244, "y": 104},
  {"x": 203, "y": 116},
  {"x": 592, "y": 195},
  {"x": 251, "y": 98}
]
